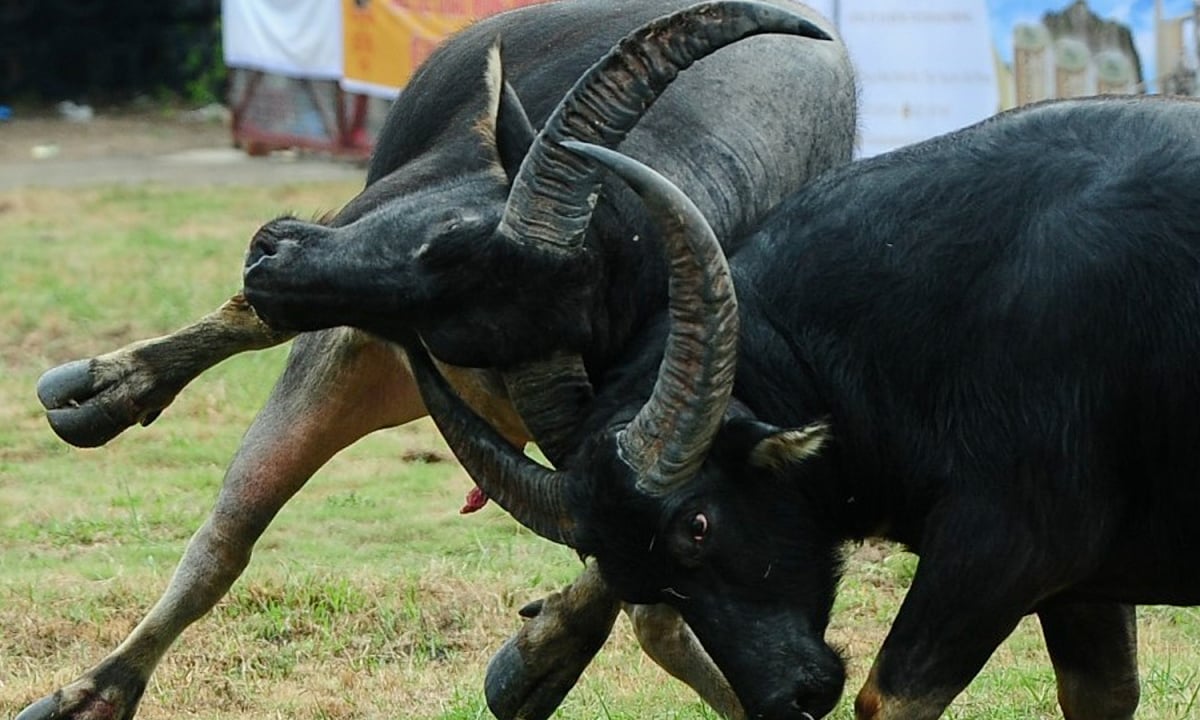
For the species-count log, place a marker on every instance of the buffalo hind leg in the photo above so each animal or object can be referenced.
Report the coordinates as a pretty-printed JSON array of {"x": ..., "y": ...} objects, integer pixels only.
[
  {"x": 1094, "y": 650},
  {"x": 337, "y": 387},
  {"x": 533, "y": 671}
]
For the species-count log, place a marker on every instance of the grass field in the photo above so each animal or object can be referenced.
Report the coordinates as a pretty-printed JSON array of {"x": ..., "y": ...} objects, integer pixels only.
[{"x": 369, "y": 597}]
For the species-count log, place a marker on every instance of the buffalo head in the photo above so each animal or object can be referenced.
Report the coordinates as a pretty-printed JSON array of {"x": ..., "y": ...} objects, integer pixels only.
[
  {"x": 496, "y": 261},
  {"x": 685, "y": 499}
]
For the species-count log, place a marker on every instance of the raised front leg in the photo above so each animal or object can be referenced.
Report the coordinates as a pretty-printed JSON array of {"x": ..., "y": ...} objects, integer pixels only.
[
  {"x": 89, "y": 402},
  {"x": 1094, "y": 650},
  {"x": 338, "y": 386},
  {"x": 981, "y": 571}
]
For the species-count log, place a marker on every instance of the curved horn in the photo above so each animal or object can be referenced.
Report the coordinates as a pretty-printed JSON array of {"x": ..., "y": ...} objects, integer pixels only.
[
  {"x": 669, "y": 437},
  {"x": 552, "y": 197},
  {"x": 550, "y": 396},
  {"x": 553, "y": 194},
  {"x": 532, "y": 494}
]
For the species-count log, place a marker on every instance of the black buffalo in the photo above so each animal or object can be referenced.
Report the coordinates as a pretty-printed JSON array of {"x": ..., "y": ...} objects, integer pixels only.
[
  {"x": 739, "y": 131},
  {"x": 983, "y": 346}
]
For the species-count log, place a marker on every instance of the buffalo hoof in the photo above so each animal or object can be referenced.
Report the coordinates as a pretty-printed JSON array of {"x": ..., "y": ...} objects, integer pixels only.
[
  {"x": 87, "y": 408},
  {"x": 515, "y": 690},
  {"x": 53, "y": 707},
  {"x": 69, "y": 394},
  {"x": 43, "y": 709},
  {"x": 536, "y": 668},
  {"x": 90, "y": 698},
  {"x": 531, "y": 685}
]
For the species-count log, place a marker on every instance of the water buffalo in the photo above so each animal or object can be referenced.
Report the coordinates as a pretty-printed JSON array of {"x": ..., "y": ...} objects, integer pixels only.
[
  {"x": 460, "y": 150},
  {"x": 982, "y": 346}
]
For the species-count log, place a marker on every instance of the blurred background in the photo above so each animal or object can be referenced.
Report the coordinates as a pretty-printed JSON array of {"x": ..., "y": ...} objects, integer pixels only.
[
  {"x": 111, "y": 50},
  {"x": 319, "y": 74}
]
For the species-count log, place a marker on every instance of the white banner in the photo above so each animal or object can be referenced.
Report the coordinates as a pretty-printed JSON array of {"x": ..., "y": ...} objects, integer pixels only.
[
  {"x": 925, "y": 67},
  {"x": 295, "y": 38}
]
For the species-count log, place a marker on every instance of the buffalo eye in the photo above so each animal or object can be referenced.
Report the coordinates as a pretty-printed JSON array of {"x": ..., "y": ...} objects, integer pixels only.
[{"x": 690, "y": 540}]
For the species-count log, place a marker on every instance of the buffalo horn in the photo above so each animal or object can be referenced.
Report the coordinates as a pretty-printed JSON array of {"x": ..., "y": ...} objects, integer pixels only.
[
  {"x": 532, "y": 494},
  {"x": 552, "y": 197},
  {"x": 669, "y": 437},
  {"x": 554, "y": 192},
  {"x": 550, "y": 396}
]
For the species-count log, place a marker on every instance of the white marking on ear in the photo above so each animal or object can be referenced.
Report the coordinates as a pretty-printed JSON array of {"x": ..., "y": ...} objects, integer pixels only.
[
  {"x": 494, "y": 78},
  {"x": 493, "y": 83},
  {"x": 789, "y": 447},
  {"x": 485, "y": 125}
]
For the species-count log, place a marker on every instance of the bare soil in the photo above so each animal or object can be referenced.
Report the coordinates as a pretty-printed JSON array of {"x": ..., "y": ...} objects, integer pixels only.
[
  {"x": 124, "y": 134},
  {"x": 137, "y": 147}
]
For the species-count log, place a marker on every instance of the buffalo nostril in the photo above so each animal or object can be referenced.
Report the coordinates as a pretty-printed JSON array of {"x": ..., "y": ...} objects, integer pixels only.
[
  {"x": 264, "y": 244},
  {"x": 798, "y": 705},
  {"x": 813, "y": 705}
]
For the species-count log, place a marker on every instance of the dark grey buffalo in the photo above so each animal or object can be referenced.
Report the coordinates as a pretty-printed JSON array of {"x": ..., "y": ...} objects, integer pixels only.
[
  {"x": 983, "y": 346},
  {"x": 462, "y": 179}
]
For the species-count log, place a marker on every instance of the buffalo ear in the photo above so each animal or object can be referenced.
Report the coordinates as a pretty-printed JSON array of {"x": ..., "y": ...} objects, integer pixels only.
[
  {"x": 789, "y": 447},
  {"x": 505, "y": 123},
  {"x": 514, "y": 132},
  {"x": 768, "y": 447}
]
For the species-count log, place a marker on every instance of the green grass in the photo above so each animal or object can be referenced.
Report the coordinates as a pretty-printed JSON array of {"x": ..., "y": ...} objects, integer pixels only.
[{"x": 369, "y": 596}]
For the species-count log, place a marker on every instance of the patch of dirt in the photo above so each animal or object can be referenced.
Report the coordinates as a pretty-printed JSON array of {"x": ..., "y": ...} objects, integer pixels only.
[
  {"x": 176, "y": 148},
  {"x": 424, "y": 456},
  {"x": 129, "y": 134}
]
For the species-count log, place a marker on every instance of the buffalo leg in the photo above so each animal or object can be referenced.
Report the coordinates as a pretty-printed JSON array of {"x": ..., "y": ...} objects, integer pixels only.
[
  {"x": 1094, "y": 650},
  {"x": 89, "y": 402},
  {"x": 337, "y": 387},
  {"x": 964, "y": 601},
  {"x": 534, "y": 670}
]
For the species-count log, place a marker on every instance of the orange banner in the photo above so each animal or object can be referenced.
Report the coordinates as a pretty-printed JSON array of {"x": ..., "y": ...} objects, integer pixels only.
[{"x": 386, "y": 40}]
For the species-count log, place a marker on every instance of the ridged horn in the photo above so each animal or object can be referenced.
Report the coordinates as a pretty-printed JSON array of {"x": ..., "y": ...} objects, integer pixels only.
[
  {"x": 669, "y": 438},
  {"x": 532, "y": 494},
  {"x": 551, "y": 396},
  {"x": 552, "y": 197}
]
